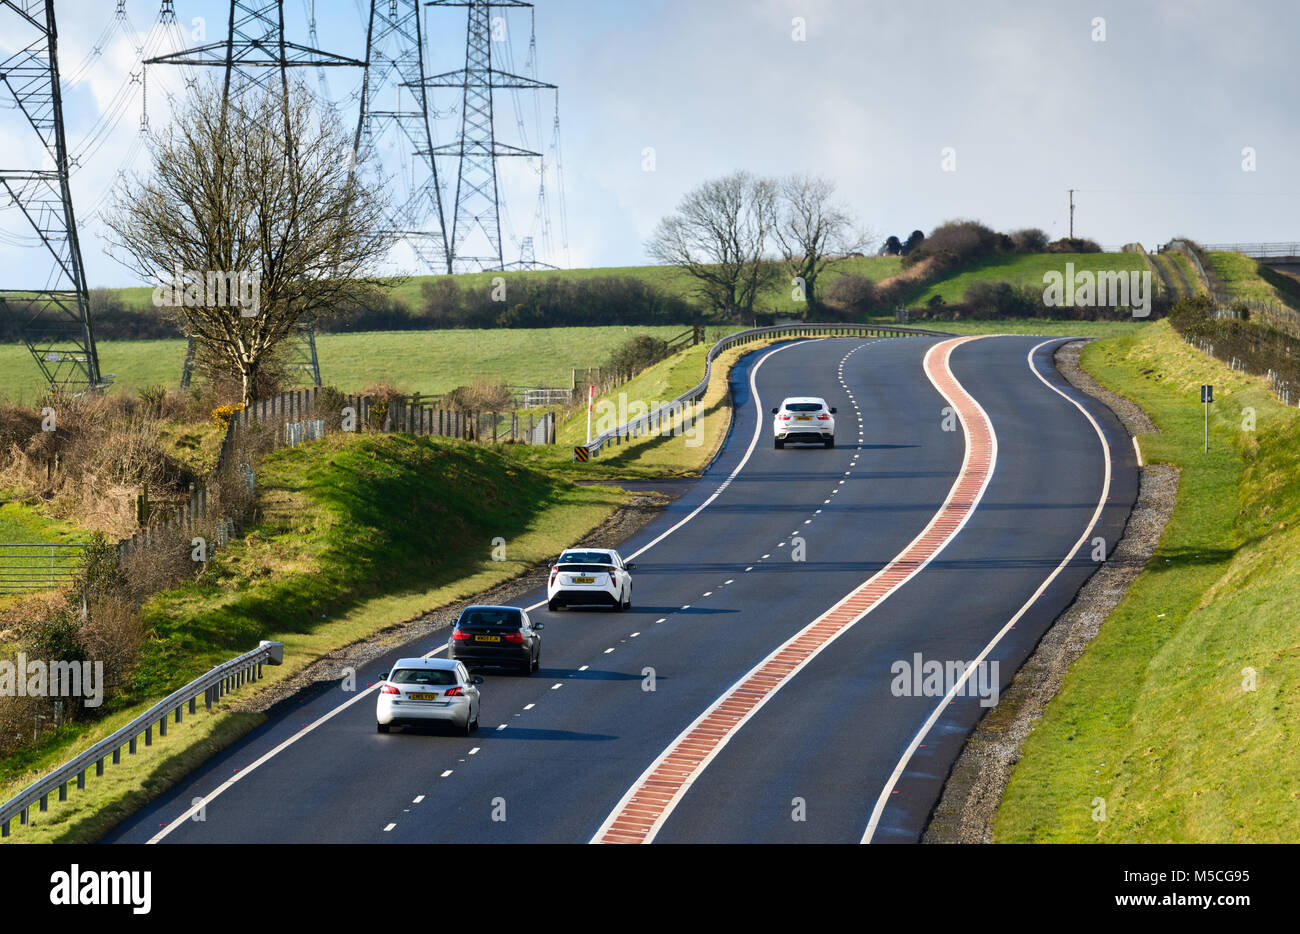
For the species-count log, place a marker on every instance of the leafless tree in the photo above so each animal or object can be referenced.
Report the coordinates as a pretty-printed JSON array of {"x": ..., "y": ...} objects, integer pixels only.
[
  {"x": 718, "y": 236},
  {"x": 813, "y": 229},
  {"x": 258, "y": 195}
]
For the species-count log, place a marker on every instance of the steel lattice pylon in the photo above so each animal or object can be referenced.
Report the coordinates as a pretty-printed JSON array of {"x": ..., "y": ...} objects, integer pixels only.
[
  {"x": 256, "y": 54},
  {"x": 395, "y": 63},
  {"x": 58, "y": 333},
  {"x": 477, "y": 215}
]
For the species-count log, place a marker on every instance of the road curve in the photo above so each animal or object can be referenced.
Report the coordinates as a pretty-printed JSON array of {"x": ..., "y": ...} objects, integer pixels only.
[{"x": 781, "y": 538}]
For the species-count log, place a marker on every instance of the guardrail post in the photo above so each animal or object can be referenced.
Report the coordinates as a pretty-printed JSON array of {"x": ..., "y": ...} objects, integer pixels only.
[
  {"x": 45, "y": 802},
  {"x": 63, "y": 791},
  {"x": 162, "y": 726},
  {"x": 4, "y": 829},
  {"x": 148, "y": 735},
  {"x": 99, "y": 766},
  {"x": 130, "y": 746},
  {"x": 22, "y": 817},
  {"x": 81, "y": 780},
  {"x": 192, "y": 705},
  {"x": 117, "y": 755},
  {"x": 178, "y": 712}
]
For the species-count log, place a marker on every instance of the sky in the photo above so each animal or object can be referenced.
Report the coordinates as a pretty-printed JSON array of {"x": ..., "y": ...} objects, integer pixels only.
[{"x": 1168, "y": 118}]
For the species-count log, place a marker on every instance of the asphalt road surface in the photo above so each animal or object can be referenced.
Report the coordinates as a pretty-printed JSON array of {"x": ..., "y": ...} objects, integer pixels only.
[{"x": 852, "y": 746}]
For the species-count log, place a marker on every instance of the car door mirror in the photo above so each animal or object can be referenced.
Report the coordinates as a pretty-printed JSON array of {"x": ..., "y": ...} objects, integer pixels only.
[
  {"x": 631, "y": 565},
  {"x": 833, "y": 410},
  {"x": 477, "y": 679},
  {"x": 777, "y": 409},
  {"x": 539, "y": 626}
]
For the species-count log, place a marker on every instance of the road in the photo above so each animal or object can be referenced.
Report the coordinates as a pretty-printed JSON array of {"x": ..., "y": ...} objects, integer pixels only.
[{"x": 763, "y": 546}]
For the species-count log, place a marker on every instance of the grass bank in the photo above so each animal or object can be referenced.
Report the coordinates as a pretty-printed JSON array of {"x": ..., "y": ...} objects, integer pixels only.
[{"x": 1180, "y": 718}]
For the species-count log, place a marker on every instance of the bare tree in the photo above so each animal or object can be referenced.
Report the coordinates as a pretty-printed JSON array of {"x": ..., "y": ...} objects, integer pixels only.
[
  {"x": 255, "y": 196},
  {"x": 812, "y": 229},
  {"x": 718, "y": 236}
]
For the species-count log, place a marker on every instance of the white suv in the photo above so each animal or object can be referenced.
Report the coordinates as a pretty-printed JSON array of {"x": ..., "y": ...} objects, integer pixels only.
[{"x": 804, "y": 418}]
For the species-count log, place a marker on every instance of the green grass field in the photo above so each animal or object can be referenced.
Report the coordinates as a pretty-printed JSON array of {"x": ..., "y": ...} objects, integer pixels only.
[
  {"x": 1022, "y": 271},
  {"x": 1158, "y": 717}
]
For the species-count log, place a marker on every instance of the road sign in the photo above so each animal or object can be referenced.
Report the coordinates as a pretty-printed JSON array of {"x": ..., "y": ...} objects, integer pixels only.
[
  {"x": 1207, "y": 396},
  {"x": 580, "y": 454}
]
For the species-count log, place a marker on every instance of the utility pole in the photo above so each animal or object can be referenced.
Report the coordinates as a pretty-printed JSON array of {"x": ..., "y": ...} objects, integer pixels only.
[
  {"x": 1072, "y": 190},
  {"x": 58, "y": 331}
]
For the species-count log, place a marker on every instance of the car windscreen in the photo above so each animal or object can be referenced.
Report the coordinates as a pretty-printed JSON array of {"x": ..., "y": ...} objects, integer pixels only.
[
  {"x": 803, "y": 407},
  {"x": 492, "y": 619},
  {"x": 585, "y": 557},
  {"x": 424, "y": 676}
]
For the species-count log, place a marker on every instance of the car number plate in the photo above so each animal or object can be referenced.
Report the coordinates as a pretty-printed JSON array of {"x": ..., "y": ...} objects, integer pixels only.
[
  {"x": 584, "y": 580},
  {"x": 803, "y": 418},
  {"x": 487, "y": 638},
  {"x": 424, "y": 696}
]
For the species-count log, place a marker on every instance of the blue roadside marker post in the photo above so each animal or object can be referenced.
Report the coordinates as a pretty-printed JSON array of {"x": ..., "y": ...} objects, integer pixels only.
[{"x": 1207, "y": 396}]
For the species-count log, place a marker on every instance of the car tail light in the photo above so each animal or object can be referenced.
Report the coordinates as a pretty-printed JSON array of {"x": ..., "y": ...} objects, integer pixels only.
[
  {"x": 514, "y": 637},
  {"x": 389, "y": 689},
  {"x": 610, "y": 571},
  {"x": 784, "y": 418},
  {"x": 823, "y": 417},
  {"x": 554, "y": 570},
  {"x": 459, "y": 635},
  {"x": 453, "y": 692}
]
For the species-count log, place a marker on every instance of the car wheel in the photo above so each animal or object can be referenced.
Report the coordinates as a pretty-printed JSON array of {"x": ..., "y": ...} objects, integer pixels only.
[
  {"x": 779, "y": 444},
  {"x": 552, "y": 605},
  {"x": 627, "y": 604},
  {"x": 829, "y": 442},
  {"x": 381, "y": 727},
  {"x": 537, "y": 663},
  {"x": 619, "y": 605}
]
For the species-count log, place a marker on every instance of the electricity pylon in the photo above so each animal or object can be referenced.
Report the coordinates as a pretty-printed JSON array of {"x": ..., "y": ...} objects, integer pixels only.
[
  {"x": 58, "y": 332},
  {"x": 255, "y": 54},
  {"x": 394, "y": 102},
  {"x": 476, "y": 221}
]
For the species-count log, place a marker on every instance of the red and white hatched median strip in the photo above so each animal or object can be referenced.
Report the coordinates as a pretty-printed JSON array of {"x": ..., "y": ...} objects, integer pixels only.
[{"x": 638, "y": 817}]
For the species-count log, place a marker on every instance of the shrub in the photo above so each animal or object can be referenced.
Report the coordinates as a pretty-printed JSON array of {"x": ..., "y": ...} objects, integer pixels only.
[{"x": 851, "y": 296}]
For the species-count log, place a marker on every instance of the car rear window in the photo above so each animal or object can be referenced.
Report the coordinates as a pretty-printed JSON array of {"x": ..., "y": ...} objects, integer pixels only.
[
  {"x": 803, "y": 407},
  {"x": 587, "y": 568},
  {"x": 423, "y": 676},
  {"x": 504, "y": 619},
  {"x": 585, "y": 557}
]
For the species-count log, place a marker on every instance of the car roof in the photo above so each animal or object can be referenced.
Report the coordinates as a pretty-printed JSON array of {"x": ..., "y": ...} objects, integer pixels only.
[
  {"x": 490, "y": 606},
  {"x": 594, "y": 551},
  {"x": 441, "y": 664},
  {"x": 804, "y": 399}
]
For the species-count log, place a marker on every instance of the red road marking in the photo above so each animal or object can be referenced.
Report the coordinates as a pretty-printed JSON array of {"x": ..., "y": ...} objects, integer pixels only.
[{"x": 666, "y": 781}]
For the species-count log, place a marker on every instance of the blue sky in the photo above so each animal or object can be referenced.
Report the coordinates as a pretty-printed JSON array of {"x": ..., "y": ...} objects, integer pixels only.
[{"x": 1149, "y": 124}]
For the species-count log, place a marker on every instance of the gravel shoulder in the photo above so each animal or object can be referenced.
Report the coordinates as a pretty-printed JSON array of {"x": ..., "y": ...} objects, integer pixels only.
[{"x": 970, "y": 799}]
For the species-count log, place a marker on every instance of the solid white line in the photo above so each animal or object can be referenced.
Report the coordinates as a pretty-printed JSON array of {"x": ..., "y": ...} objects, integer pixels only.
[
  {"x": 878, "y": 810},
  {"x": 1138, "y": 451}
]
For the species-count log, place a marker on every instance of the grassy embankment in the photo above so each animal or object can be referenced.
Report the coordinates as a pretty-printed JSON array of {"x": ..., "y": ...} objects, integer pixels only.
[{"x": 1155, "y": 717}]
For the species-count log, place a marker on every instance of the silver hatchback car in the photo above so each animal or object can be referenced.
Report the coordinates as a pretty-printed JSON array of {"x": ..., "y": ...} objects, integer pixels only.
[{"x": 425, "y": 690}]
